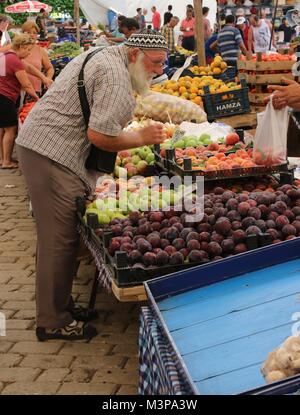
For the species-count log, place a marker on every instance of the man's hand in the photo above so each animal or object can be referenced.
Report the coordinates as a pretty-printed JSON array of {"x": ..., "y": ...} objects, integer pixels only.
[
  {"x": 154, "y": 134},
  {"x": 288, "y": 95},
  {"x": 47, "y": 82}
]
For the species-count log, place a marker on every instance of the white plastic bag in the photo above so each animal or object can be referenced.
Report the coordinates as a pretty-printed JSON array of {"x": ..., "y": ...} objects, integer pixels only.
[
  {"x": 270, "y": 141},
  {"x": 167, "y": 108}
]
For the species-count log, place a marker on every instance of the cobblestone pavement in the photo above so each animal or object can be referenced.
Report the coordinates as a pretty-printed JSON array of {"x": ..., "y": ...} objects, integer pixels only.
[{"x": 108, "y": 365}]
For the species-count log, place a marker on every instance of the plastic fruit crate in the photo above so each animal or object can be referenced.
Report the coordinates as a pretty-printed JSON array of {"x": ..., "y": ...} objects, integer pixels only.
[{"x": 227, "y": 103}]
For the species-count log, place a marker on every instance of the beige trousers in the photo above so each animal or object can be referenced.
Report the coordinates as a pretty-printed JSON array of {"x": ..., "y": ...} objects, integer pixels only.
[{"x": 53, "y": 190}]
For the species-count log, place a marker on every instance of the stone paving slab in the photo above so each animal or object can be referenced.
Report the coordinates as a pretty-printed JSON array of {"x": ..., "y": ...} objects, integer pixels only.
[{"x": 105, "y": 366}]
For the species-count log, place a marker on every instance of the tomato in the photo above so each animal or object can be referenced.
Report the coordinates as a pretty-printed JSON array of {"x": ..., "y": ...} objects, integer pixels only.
[{"x": 232, "y": 139}]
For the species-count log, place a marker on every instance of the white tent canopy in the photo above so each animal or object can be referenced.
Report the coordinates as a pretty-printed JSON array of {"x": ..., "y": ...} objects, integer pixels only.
[{"x": 96, "y": 10}]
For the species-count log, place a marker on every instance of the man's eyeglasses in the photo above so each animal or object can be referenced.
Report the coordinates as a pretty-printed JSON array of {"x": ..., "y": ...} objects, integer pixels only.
[{"x": 155, "y": 63}]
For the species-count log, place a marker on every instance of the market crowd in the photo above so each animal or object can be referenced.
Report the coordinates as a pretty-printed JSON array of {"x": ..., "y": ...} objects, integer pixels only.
[{"x": 66, "y": 123}]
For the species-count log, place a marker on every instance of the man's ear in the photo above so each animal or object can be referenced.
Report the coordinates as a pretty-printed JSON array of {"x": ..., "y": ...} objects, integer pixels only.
[{"x": 133, "y": 54}]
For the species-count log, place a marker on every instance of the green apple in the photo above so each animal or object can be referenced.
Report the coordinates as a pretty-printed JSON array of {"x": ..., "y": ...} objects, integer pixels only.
[
  {"x": 103, "y": 218},
  {"x": 150, "y": 158},
  {"x": 180, "y": 144},
  {"x": 135, "y": 159},
  {"x": 99, "y": 204}
]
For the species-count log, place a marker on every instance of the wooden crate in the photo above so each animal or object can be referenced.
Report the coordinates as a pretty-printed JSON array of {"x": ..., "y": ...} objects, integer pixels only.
[
  {"x": 129, "y": 294},
  {"x": 258, "y": 97},
  {"x": 268, "y": 79},
  {"x": 257, "y": 66},
  {"x": 240, "y": 121}
]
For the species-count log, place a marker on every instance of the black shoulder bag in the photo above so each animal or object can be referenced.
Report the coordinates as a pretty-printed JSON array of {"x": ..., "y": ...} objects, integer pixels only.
[{"x": 99, "y": 160}]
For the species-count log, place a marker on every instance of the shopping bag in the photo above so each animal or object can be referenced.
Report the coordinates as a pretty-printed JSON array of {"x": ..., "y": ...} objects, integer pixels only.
[{"x": 270, "y": 141}]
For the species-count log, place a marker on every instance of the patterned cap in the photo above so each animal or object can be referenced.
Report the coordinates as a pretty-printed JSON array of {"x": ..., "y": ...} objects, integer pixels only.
[{"x": 147, "y": 40}]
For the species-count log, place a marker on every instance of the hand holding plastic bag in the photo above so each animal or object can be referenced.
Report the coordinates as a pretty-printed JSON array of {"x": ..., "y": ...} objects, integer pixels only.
[
  {"x": 167, "y": 108},
  {"x": 270, "y": 141}
]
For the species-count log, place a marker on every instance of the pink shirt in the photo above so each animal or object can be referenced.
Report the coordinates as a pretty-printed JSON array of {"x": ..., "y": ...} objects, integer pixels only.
[
  {"x": 156, "y": 21},
  {"x": 207, "y": 28},
  {"x": 188, "y": 24},
  {"x": 35, "y": 59}
]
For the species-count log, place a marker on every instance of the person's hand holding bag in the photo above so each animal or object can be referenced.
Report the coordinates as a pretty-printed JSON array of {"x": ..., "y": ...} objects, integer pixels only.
[{"x": 286, "y": 96}]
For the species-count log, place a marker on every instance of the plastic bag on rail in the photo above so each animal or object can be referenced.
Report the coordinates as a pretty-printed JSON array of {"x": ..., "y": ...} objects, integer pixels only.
[
  {"x": 270, "y": 141},
  {"x": 168, "y": 108}
]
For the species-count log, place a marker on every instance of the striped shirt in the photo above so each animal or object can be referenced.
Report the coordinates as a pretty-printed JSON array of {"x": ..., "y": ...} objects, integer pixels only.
[
  {"x": 55, "y": 127},
  {"x": 168, "y": 33},
  {"x": 229, "y": 40}
]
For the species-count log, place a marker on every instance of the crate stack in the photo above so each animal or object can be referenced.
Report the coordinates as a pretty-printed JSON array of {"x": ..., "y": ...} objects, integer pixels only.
[{"x": 259, "y": 74}]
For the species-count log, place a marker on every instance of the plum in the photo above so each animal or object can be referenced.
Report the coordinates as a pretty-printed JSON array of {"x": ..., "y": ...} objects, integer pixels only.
[
  {"x": 208, "y": 211},
  {"x": 290, "y": 215},
  {"x": 144, "y": 229},
  {"x": 296, "y": 224},
  {"x": 227, "y": 246},
  {"x": 262, "y": 199},
  {"x": 240, "y": 248},
  {"x": 156, "y": 216},
  {"x": 264, "y": 210},
  {"x": 126, "y": 247},
  {"x": 164, "y": 243},
  {"x": 289, "y": 230},
  {"x": 233, "y": 215},
  {"x": 204, "y": 246},
  {"x": 232, "y": 204},
  {"x": 137, "y": 237},
  {"x": 193, "y": 244},
  {"x": 178, "y": 243},
  {"x": 279, "y": 207},
  {"x": 296, "y": 210},
  {"x": 218, "y": 190},
  {"x": 273, "y": 232},
  {"x": 172, "y": 233},
  {"x": 255, "y": 213},
  {"x": 261, "y": 224},
  {"x": 204, "y": 237},
  {"x": 273, "y": 215},
  {"x": 288, "y": 238},
  {"x": 239, "y": 235},
  {"x": 142, "y": 221},
  {"x": 281, "y": 221},
  {"x": 184, "y": 252},
  {"x": 126, "y": 239},
  {"x": 236, "y": 225},
  {"x": 134, "y": 217},
  {"x": 155, "y": 226},
  {"x": 214, "y": 249},
  {"x": 243, "y": 208},
  {"x": 134, "y": 256},
  {"x": 156, "y": 250},
  {"x": 227, "y": 195},
  {"x": 143, "y": 246},
  {"x": 154, "y": 240},
  {"x": 176, "y": 259},
  {"x": 204, "y": 227},
  {"x": 170, "y": 213},
  {"x": 253, "y": 230},
  {"x": 192, "y": 236},
  {"x": 246, "y": 222},
  {"x": 164, "y": 223},
  {"x": 113, "y": 247},
  {"x": 198, "y": 256},
  {"x": 170, "y": 249},
  {"x": 117, "y": 230},
  {"x": 252, "y": 203},
  {"x": 149, "y": 258},
  {"x": 178, "y": 226},
  {"x": 270, "y": 224},
  {"x": 162, "y": 258},
  {"x": 185, "y": 231},
  {"x": 223, "y": 226},
  {"x": 285, "y": 188},
  {"x": 220, "y": 212},
  {"x": 211, "y": 220},
  {"x": 242, "y": 198},
  {"x": 216, "y": 237}
]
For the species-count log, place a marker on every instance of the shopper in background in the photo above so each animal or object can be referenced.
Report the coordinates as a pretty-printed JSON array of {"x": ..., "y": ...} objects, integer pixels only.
[
  {"x": 168, "y": 32},
  {"x": 289, "y": 32},
  {"x": 259, "y": 36},
  {"x": 242, "y": 26},
  {"x": 140, "y": 18},
  {"x": 209, "y": 52},
  {"x": 168, "y": 15},
  {"x": 229, "y": 42},
  {"x": 190, "y": 7},
  {"x": 53, "y": 147},
  {"x": 5, "y": 41},
  {"x": 188, "y": 31},
  {"x": 12, "y": 80},
  {"x": 156, "y": 19},
  {"x": 37, "y": 57},
  {"x": 41, "y": 23},
  {"x": 206, "y": 24}
]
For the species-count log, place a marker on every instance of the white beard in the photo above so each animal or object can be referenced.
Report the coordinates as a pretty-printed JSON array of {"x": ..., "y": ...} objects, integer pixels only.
[{"x": 140, "y": 80}]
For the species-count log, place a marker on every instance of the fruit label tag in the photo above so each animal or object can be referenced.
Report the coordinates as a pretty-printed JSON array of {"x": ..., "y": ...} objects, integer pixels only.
[{"x": 178, "y": 134}]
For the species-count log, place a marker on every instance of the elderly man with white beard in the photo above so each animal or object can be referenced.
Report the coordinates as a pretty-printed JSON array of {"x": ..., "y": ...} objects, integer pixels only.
[{"x": 53, "y": 146}]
